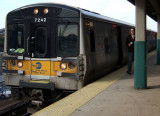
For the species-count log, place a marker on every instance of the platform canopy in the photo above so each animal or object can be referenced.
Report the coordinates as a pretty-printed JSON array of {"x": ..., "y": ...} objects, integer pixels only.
[{"x": 152, "y": 8}]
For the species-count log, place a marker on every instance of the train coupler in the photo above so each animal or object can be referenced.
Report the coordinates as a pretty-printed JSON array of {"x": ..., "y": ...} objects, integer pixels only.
[{"x": 36, "y": 103}]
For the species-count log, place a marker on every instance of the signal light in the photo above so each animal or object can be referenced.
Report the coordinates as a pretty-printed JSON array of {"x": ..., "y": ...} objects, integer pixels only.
[
  {"x": 90, "y": 24},
  {"x": 35, "y": 11},
  {"x": 63, "y": 66},
  {"x": 45, "y": 11},
  {"x": 87, "y": 24},
  {"x": 71, "y": 65},
  {"x": 19, "y": 64},
  {"x": 114, "y": 26},
  {"x": 13, "y": 63}
]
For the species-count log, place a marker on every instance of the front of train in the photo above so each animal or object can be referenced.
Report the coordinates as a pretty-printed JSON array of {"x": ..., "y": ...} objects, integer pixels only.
[{"x": 42, "y": 50}]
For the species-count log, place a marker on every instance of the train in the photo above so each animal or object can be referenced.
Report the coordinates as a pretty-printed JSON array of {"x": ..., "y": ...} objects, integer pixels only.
[{"x": 51, "y": 47}]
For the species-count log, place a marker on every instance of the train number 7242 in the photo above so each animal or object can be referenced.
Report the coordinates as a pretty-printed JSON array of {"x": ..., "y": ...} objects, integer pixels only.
[{"x": 38, "y": 20}]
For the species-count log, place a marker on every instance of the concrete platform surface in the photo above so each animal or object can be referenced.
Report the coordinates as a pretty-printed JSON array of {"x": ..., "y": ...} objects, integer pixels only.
[
  {"x": 121, "y": 99},
  {"x": 112, "y": 95}
]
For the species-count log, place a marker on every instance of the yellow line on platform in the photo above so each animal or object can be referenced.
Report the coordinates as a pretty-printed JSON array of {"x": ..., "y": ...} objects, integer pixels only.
[{"x": 68, "y": 105}]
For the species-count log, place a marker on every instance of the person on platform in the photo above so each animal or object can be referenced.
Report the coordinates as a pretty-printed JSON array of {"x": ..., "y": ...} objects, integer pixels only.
[{"x": 130, "y": 44}]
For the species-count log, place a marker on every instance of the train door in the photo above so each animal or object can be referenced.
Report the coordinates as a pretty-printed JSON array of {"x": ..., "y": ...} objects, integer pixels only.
[
  {"x": 119, "y": 42},
  {"x": 39, "y": 41}
]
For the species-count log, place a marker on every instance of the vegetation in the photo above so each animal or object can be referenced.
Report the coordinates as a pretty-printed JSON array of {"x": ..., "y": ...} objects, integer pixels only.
[{"x": 2, "y": 33}]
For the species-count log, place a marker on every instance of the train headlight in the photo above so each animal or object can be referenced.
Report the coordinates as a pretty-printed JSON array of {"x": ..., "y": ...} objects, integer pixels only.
[
  {"x": 71, "y": 65},
  {"x": 13, "y": 63},
  {"x": 63, "y": 66},
  {"x": 19, "y": 64},
  {"x": 45, "y": 11},
  {"x": 35, "y": 11}
]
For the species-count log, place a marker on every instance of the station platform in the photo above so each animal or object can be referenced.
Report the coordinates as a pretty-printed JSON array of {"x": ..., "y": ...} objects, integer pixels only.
[{"x": 113, "y": 95}]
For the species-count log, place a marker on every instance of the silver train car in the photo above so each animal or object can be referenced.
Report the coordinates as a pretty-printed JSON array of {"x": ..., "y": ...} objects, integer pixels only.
[{"x": 51, "y": 47}]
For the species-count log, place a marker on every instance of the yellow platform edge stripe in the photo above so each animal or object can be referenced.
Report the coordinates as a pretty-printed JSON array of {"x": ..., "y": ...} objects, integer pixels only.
[
  {"x": 35, "y": 81},
  {"x": 68, "y": 105}
]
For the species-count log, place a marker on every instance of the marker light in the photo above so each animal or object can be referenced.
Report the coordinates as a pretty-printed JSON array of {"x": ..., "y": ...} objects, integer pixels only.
[
  {"x": 63, "y": 66},
  {"x": 35, "y": 11},
  {"x": 71, "y": 65},
  {"x": 12, "y": 63},
  {"x": 87, "y": 24},
  {"x": 19, "y": 64},
  {"x": 91, "y": 24},
  {"x": 45, "y": 11},
  {"x": 114, "y": 26}
]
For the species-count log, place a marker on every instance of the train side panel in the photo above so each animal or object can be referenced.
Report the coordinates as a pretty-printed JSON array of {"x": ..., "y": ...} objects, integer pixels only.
[{"x": 103, "y": 50}]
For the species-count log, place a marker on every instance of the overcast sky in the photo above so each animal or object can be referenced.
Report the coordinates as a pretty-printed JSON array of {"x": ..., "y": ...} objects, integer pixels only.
[{"x": 118, "y": 9}]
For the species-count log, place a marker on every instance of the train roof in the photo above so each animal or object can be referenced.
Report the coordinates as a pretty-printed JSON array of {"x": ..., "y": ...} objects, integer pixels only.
[
  {"x": 84, "y": 12},
  {"x": 88, "y": 13}
]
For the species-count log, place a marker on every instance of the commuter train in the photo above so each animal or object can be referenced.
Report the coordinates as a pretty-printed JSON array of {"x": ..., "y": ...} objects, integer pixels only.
[{"x": 51, "y": 47}]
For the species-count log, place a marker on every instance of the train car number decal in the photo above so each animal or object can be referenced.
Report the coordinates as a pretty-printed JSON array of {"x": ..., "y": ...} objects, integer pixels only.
[{"x": 38, "y": 20}]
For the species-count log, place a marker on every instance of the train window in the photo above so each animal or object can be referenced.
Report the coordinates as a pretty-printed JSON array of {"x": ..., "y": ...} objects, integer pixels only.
[
  {"x": 41, "y": 41},
  {"x": 107, "y": 45},
  {"x": 92, "y": 40},
  {"x": 16, "y": 39},
  {"x": 67, "y": 40}
]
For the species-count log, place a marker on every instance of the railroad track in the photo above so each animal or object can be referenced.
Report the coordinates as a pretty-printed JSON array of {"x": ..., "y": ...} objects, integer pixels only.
[
  {"x": 13, "y": 107},
  {"x": 17, "y": 107}
]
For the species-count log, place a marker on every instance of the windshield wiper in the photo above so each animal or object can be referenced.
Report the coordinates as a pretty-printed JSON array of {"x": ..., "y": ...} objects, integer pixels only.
[{"x": 64, "y": 29}]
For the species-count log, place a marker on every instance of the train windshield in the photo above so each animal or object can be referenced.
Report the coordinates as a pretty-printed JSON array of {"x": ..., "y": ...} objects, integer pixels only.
[
  {"x": 67, "y": 39},
  {"x": 16, "y": 39}
]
